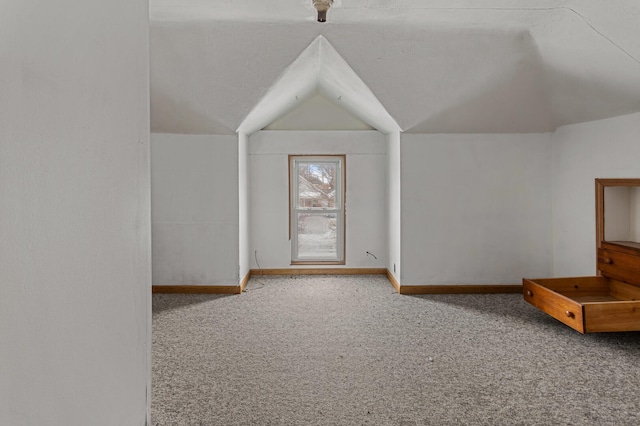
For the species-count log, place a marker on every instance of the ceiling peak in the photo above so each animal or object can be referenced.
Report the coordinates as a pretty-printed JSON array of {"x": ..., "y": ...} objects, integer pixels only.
[{"x": 319, "y": 69}]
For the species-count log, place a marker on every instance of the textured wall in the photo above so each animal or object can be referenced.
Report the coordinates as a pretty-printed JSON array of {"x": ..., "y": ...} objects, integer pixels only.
[
  {"x": 74, "y": 213},
  {"x": 582, "y": 152},
  {"x": 194, "y": 181},
  {"x": 476, "y": 209},
  {"x": 244, "y": 214},
  {"x": 318, "y": 113},
  {"x": 394, "y": 206}
]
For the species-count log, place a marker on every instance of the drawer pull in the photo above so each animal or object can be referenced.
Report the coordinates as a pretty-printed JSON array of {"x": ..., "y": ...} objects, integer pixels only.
[
  {"x": 570, "y": 314},
  {"x": 529, "y": 293},
  {"x": 607, "y": 260}
]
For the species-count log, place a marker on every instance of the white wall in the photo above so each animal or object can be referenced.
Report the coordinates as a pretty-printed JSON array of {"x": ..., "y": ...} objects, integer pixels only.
[
  {"x": 365, "y": 197},
  {"x": 244, "y": 207},
  {"x": 194, "y": 182},
  {"x": 74, "y": 213},
  {"x": 318, "y": 113},
  {"x": 582, "y": 152},
  {"x": 476, "y": 208},
  {"x": 394, "y": 206}
]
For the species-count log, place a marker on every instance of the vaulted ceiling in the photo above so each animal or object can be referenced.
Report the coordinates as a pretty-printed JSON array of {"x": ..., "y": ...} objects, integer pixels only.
[{"x": 436, "y": 66}]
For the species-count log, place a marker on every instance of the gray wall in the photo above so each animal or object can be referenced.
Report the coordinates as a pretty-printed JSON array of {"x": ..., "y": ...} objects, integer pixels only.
[
  {"x": 476, "y": 208},
  {"x": 582, "y": 152},
  {"x": 394, "y": 206},
  {"x": 194, "y": 182},
  {"x": 74, "y": 213}
]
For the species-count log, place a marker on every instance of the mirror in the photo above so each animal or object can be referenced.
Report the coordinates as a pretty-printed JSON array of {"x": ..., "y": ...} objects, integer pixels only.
[{"x": 618, "y": 211}]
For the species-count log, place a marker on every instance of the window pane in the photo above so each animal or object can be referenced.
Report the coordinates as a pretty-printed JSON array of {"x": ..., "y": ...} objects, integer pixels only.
[
  {"x": 316, "y": 185},
  {"x": 317, "y": 235}
]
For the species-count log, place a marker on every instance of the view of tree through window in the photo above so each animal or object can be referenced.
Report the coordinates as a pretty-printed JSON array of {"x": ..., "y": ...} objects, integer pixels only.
[
  {"x": 317, "y": 209},
  {"x": 316, "y": 185}
]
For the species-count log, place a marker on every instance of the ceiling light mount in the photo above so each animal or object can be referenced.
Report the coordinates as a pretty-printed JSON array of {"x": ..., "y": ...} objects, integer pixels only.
[{"x": 322, "y": 6}]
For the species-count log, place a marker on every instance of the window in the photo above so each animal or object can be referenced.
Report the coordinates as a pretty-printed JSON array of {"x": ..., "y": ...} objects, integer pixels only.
[{"x": 317, "y": 209}]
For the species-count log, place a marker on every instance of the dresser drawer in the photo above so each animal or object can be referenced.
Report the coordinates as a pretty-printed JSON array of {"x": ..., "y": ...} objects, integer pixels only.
[
  {"x": 586, "y": 304},
  {"x": 557, "y": 305}
]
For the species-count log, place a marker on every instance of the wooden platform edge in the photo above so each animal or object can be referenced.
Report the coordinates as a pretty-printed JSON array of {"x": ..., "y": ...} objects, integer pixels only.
[
  {"x": 460, "y": 289},
  {"x": 197, "y": 289},
  {"x": 320, "y": 271}
]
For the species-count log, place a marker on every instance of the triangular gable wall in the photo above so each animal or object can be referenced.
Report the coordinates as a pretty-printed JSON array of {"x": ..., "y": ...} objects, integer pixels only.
[
  {"x": 319, "y": 69},
  {"x": 318, "y": 113}
]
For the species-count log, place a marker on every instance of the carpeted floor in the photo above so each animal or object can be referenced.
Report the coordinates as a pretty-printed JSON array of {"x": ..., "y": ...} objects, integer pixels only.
[{"x": 349, "y": 350}]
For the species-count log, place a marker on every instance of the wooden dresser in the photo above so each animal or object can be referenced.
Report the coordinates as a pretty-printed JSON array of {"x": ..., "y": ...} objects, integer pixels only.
[{"x": 609, "y": 301}]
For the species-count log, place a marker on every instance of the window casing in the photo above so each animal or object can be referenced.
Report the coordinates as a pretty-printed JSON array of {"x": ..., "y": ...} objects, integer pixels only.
[{"x": 317, "y": 209}]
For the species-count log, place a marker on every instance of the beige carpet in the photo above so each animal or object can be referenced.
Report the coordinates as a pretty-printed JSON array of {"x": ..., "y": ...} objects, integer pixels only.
[{"x": 348, "y": 350}]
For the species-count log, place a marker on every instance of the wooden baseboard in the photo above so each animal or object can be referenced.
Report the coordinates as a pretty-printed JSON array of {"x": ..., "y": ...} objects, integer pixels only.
[
  {"x": 393, "y": 281},
  {"x": 320, "y": 271},
  {"x": 402, "y": 289},
  {"x": 459, "y": 289},
  {"x": 197, "y": 289},
  {"x": 244, "y": 282}
]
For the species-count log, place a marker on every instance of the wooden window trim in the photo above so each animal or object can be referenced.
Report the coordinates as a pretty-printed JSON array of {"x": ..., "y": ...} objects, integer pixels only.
[{"x": 343, "y": 193}]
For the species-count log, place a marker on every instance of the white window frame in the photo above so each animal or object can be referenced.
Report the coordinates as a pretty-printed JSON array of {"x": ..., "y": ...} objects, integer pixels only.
[{"x": 339, "y": 210}]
